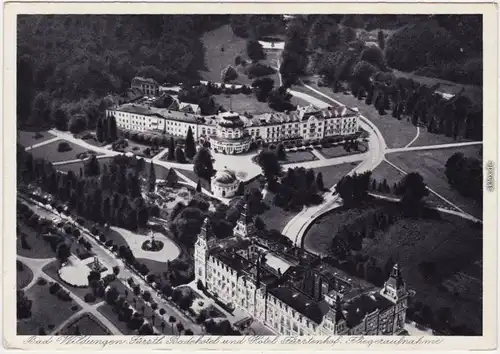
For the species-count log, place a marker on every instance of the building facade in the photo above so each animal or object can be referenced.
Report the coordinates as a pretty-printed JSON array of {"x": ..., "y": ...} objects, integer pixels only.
[
  {"x": 225, "y": 184},
  {"x": 232, "y": 133},
  {"x": 292, "y": 298}
]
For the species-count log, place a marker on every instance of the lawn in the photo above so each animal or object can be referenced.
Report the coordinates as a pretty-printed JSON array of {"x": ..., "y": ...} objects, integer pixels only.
[
  {"x": 27, "y": 139},
  {"x": 47, "y": 311},
  {"x": 49, "y": 152},
  {"x": 242, "y": 103},
  {"x": 333, "y": 174},
  {"x": 472, "y": 91},
  {"x": 38, "y": 248},
  {"x": 24, "y": 275},
  {"x": 138, "y": 149},
  {"x": 431, "y": 165},
  {"x": 338, "y": 151},
  {"x": 299, "y": 156},
  {"x": 87, "y": 325},
  {"x": 451, "y": 243}
]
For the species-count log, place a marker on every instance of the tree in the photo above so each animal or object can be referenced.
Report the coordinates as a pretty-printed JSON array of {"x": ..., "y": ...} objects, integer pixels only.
[
  {"x": 151, "y": 178},
  {"x": 112, "y": 295},
  {"x": 91, "y": 167},
  {"x": 77, "y": 124},
  {"x": 280, "y": 152},
  {"x": 171, "y": 149},
  {"x": 413, "y": 189},
  {"x": 23, "y": 305},
  {"x": 203, "y": 165},
  {"x": 116, "y": 270},
  {"x": 163, "y": 324},
  {"x": 63, "y": 252},
  {"x": 112, "y": 128},
  {"x": 179, "y": 155},
  {"x": 190, "y": 148},
  {"x": 40, "y": 111},
  {"x": 198, "y": 186},
  {"x": 229, "y": 74},
  {"x": 60, "y": 119},
  {"x": 255, "y": 51},
  {"x": 172, "y": 179},
  {"x": 180, "y": 327},
  {"x": 188, "y": 332},
  {"x": 262, "y": 88},
  {"x": 381, "y": 39},
  {"x": 270, "y": 165},
  {"x": 319, "y": 181},
  {"x": 172, "y": 320}
]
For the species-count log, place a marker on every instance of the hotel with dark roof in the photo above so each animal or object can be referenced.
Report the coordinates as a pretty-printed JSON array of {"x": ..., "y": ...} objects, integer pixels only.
[
  {"x": 293, "y": 293},
  {"x": 232, "y": 133}
]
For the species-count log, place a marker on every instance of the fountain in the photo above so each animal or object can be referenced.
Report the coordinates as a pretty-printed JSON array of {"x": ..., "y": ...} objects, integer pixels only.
[{"x": 152, "y": 245}]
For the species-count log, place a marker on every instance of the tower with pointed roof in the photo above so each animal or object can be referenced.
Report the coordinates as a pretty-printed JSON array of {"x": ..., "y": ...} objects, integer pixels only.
[
  {"x": 395, "y": 291},
  {"x": 245, "y": 226},
  {"x": 205, "y": 241}
]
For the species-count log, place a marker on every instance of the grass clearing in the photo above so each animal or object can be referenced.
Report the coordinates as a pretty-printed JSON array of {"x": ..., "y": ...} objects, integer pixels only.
[
  {"x": 86, "y": 325},
  {"x": 451, "y": 243},
  {"x": 431, "y": 165},
  {"x": 24, "y": 275},
  {"x": 49, "y": 152},
  {"x": 275, "y": 217},
  {"x": 333, "y": 174},
  {"x": 47, "y": 311},
  {"x": 242, "y": 103},
  {"x": 26, "y": 138}
]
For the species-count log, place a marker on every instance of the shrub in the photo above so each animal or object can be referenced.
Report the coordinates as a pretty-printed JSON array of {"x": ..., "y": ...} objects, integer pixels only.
[
  {"x": 64, "y": 295},
  {"x": 41, "y": 281},
  {"x": 146, "y": 295},
  {"x": 258, "y": 70},
  {"x": 108, "y": 243},
  {"x": 150, "y": 278},
  {"x": 54, "y": 288},
  {"x": 89, "y": 297},
  {"x": 64, "y": 146},
  {"x": 77, "y": 124},
  {"x": 154, "y": 306},
  {"x": 102, "y": 238}
]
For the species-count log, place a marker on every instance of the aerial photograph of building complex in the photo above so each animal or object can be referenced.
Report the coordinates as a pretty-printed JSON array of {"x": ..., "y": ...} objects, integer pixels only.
[{"x": 286, "y": 174}]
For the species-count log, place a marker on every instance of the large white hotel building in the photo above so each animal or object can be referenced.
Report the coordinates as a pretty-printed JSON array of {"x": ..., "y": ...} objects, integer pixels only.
[
  {"x": 232, "y": 133},
  {"x": 292, "y": 294}
]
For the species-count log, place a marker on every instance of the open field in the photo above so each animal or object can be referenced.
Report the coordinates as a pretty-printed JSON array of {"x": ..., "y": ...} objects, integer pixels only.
[
  {"x": 431, "y": 165},
  {"x": 338, "y": 151},
  {"x": 298, "y": 156},
  {"x": 47, "y": 311},
  {"x": 85, "y": 325},
  {"x": 450, "y": 243},
  {"x": 275, "y": 217},
  {"x": 24, "y": 275},
  {"x": 49, "y": 152},
  {"x": 333, "y": 174},
  {"x": 27, "y": 139}
]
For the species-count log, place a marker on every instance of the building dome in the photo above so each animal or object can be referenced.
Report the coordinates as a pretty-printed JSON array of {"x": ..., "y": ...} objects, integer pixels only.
[{"x": 225, "y": 177}]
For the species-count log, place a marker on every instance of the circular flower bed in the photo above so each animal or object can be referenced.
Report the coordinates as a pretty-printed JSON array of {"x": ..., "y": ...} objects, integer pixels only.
[{"x": 152, "y": 245}]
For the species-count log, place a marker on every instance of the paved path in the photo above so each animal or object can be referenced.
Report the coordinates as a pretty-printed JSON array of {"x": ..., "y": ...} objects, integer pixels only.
[
  {"x": 415, "y": 138},
  {"x": 317, "y": 154},
  {"x": 433, "y": 147},
  {"x": 36, "y": 265},
  {"x": 51, "y": 140}
]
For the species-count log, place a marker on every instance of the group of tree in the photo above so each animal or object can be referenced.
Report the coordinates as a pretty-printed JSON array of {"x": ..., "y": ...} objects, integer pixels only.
[
  {"x": 465, "y": 174},
  {"x": 271, "y": 168},
  {"x": 202, "y": 95},
  {"x": 112, "y": 195},
  {"x": 203, "y": 164},
  {"x": 353, "y": 189},
  {"x": 257, "y": 26},
  {"x": 295, "y": 54},
  {"x": 175, "y": 152},
  {"x": 106, "y": 129},
  {"x": 299, "y": 187}
]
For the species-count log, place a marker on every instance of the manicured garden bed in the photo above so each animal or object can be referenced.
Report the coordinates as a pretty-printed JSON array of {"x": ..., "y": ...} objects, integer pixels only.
[
  {"x": 338, "y": 151},
  {"x": 299, "y": 156},
  {"x": 24, "y": 275}
]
